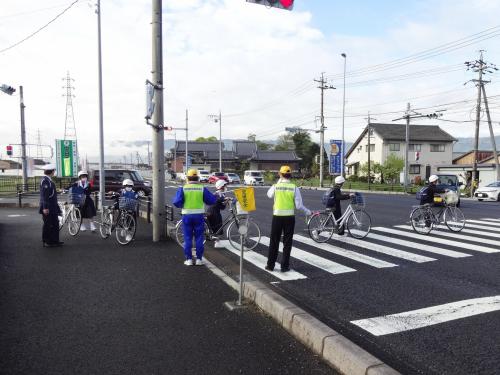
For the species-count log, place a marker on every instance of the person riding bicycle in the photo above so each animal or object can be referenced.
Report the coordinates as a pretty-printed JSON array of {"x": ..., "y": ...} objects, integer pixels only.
[
  {"x": 214, "y": 216},
  {"x": 335, "y": 195},
  {"x": 127, "y": 191},
  {"x": 427, "y": 194},
  {"x": 191, "y": 198},
  {"x": 87, "y": 208}
]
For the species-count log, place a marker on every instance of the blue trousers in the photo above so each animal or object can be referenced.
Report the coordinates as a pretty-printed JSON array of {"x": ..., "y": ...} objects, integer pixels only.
[{"x": 193, "y": 224}]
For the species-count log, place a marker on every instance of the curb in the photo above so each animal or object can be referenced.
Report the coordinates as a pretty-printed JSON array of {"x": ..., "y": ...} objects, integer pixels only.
[{"x": 361, "y": 191}]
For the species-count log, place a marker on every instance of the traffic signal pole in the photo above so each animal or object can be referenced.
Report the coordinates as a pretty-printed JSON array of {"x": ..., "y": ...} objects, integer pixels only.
[{"x": 23, "y": 142}]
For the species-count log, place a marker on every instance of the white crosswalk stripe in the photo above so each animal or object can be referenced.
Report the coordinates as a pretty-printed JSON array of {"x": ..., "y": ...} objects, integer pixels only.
[
  {"x": 477, "y": 226},
  {"x": 313, "y": 260},
  {"x": 471, "y": 231},
  {"x": 434, "y": 239},
  {"x": 490, "y": 219},
  {"x": 495, "y": 224},
  {"x": 344, "y": 253},
  {"x": 459, "y": 236}
]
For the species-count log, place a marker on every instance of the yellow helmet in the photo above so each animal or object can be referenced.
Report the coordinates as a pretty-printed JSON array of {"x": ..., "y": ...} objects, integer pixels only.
[
  {"x": 285, "y": 169},
  {"x": 192, "y": 173}
]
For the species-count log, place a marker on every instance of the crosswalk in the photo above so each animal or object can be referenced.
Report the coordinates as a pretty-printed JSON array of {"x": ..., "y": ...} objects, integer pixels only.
[{"x": 383, "y": 248}]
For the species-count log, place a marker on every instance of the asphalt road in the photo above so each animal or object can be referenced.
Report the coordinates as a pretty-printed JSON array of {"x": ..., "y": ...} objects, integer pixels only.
[
  {"x": 415, "y": 276},
  {"x": 95, "y": 307}
]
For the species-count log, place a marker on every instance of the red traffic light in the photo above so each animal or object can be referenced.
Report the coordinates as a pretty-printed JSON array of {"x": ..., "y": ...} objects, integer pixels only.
[
  {"x": 287, "y": 4},
  {"x": 283, "y": 4},
  {"x": 9, "y": 150}
]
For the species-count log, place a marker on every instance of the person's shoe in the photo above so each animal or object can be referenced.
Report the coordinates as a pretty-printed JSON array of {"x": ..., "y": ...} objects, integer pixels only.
[
  {"x": 60, "y": 243},
  {"x": 285, "y": 269},
  {"x": 128, "y": 237},
  {"x": 315, "y": 234},
  {"x": 188, "y": 262},
  {"x": 83, "y": 228},
  {"x": 199, "y": 262},
  {"x": 46, "y": 244},
  {"x": 92, "y": 227},
  {"x": 269, "y": 268},
  {"x": 218, "y": 245}
]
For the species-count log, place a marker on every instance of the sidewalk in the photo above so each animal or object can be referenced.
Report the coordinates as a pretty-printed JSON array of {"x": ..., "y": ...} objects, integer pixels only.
[{"x": 95, "y": 307}]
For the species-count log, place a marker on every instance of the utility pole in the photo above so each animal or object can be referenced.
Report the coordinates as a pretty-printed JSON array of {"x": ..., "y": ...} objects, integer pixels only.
[
  {"x": 186, "y": 149},
  {"x": 157, "y": 129},
  {"x": 23, "y": 141},
  {"x": 175, "y": 152},
  {"x": 323, "y": 86},
  {"x": 492, "y": 134},
  {"x": 369, "y": 134},
  {"x": 102, "y": 175},
  {"x": 343, "y": 120}
]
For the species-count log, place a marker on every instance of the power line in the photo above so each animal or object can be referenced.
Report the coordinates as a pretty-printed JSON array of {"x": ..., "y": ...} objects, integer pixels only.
[
  {"x": 40, "y": 29},
  {"x": 33, "y": 11}
]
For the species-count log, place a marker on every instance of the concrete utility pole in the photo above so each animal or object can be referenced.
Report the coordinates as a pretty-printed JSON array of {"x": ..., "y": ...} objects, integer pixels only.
[
  {"x": 186, "y": 150},
  {"x": 369, "y": 134},
  {"x": 492, "y": 134},
  {"x": 102, "y": 175},
  {"x": 220, "y": 141},
  {"x": 157, "y": 129},
  {"x": 343, "y": 120},
  {"x": 323, "y": 86},
  {"x": 24, "y": 161}
]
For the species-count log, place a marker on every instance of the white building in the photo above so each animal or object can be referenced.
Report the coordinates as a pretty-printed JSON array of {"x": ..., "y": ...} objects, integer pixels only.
[{"x": 429, "y": 148}]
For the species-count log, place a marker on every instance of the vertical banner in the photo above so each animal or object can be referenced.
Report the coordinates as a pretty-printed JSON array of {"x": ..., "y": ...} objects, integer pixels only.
[
  {"x": 66, "y": 157},
  {"x": 335, "y": 156}
]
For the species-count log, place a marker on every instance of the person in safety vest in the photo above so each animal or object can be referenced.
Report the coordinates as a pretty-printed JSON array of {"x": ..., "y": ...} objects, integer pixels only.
[
  {"x": 192, "y": 198},
  {"x": 287, "y": 198}
]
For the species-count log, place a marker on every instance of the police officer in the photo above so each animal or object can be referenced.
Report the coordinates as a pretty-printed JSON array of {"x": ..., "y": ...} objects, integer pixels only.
[
  {"x": 49, "y": 208},
  {"x": 287, "y": 198},
  {"x": 192, "y": 198}
]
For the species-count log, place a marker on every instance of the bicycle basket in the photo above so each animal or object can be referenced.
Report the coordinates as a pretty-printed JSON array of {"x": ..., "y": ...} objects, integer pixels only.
[
  {"x": 128, "y": 204},
  {"x": 77, "y": 199},
  {"x": 358, "y": 200},
  {"x": 451, "y": 197}
]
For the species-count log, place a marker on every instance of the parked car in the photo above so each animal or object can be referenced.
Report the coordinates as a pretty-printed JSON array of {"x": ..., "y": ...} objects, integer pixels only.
[
  {"x": 214, "y": 177},
  {"x": 490, "y": 192},
  {"x": 253, "y": 178},
  {"x": 233, "y": 178},
  {"x": 449, "y": 182},
  {"x": 204, "y": 175},
  {"x": 114, "y": 178}
]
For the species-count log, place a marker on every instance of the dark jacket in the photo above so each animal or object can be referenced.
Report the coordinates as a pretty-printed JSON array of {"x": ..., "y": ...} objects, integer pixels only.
[
  {"x": 48, "y": 197},
  {"x": 430, "y": 192},
  {"x": 214, "y": 215},
  {"x": 88, "y": 209},
  {"x": 336, "y": 196}
]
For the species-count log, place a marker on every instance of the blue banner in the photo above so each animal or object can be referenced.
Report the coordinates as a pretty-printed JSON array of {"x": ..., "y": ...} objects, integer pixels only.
[{"x": 335, "y": 156}]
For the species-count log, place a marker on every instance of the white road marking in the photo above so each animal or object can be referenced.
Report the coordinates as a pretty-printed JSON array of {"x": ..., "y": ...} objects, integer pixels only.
[
  {"x": 483, "y": 222},
  {"x": 491, "y": 219},
  {"x": 461, "y": 237},
  {"x": 443, "y": 241},
  {"x": 313, "y": 260},
  {"x": 17, "y": 215},
  {"x": 385, "y": 250},
  {"x": 471, "y": 231},
  {"x": 428, "y": 316},
  {"x": 419, "y": 246},
  {"x": 345, "y": 253},
  {"x": 469, "y": 225},
  {"x": 260, "y": 261}
]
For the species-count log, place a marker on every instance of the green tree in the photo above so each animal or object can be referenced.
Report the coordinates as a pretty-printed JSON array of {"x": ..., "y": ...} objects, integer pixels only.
[
  {"x": 392, "y": 167},
  {"x": 285, "y": 142},
  {"x": 207, "y": 139},
  {"x": 303, "y": 148}
]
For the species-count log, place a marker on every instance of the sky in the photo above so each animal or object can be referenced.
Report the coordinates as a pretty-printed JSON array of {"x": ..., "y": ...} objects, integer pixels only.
[{"x": 254, "y": 64}]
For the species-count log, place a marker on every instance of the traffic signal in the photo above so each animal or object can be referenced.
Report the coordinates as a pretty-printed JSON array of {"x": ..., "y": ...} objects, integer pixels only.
[
  {"x": 283, "y": 4},
  {"x": 9, "y": 150},
  {"x": 7, "y": 89}
]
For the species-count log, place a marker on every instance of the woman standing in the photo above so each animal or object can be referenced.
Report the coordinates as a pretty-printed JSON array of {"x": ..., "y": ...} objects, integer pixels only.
[{"x": 87, "y": 208}]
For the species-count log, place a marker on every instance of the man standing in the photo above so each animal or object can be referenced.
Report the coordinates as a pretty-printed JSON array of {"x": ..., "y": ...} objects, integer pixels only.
[
  {"x": 192, "y": 198},
  {"x": 49, "y": 208},
  {"x": 287, "y": 198}
]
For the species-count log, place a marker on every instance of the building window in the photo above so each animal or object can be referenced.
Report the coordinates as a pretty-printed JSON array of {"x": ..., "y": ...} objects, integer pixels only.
[
  {"x": 415, "y": 147},
  {"x": 394, "y": 146},
  {"x": 437, "y": 147},
  {"x": 372, "y": 148},
  {"x": 414, "y": 168}
]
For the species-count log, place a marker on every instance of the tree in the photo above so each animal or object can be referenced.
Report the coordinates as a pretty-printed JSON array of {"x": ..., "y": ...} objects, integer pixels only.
[
  {"x": 302, "y": 142},
  {"x": 252, "y": 137},
  {"x": 208, "y": 139},
  {"x": 260, "y": 145},
  {"x": 392, "y": 167},
  {"x": 285, "y": 142}
]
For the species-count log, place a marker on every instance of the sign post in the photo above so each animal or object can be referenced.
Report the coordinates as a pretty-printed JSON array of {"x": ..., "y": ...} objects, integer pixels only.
[
  {"x": 335, "y": 156},
  {"x": 66, "y": 157}
]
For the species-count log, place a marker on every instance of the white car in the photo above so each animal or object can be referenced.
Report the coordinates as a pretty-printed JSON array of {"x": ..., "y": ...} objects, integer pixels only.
[
  {"x": 233, "y": 178},
  {"x": 253, "y": 178},
  {"x": 489, "y": 192},
  {"x": 204, "y": 175}
]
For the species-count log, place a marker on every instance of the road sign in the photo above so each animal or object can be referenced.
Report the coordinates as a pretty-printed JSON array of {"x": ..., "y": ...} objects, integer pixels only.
[
  {"x": 66, "y": 157},
  {"x": 335, "y": 156}
]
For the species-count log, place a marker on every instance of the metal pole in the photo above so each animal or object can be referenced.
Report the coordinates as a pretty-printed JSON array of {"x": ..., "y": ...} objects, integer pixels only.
[
  {"x": 321, "y": 134},
  {"x": 220, "y": 142},
  {"x": 343, "y": 120},
  {"x": 24, "y": 161},
  {"x": 175, "y": 153},
  {"x": 476, "y": 135},
  {"x": 101, "y": 125},
  {"x": 407, "y": 144},
  {"x": 492, "y": 134},
  {"x": 186, "y": 150},
  {"x": 240, "y": 294},
  {"x": 369, "y": 169},
  {"x": 158, "y": 133}
]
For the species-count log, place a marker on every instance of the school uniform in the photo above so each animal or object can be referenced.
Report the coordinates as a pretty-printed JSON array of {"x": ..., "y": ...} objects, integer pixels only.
[{"x": 48, "y": 200}]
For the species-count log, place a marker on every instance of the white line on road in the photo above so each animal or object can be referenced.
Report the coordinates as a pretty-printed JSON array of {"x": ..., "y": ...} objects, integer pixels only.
[
  {"x": 483, "y": 222},
  {"x": 260, "y": 261},
  {"x": 443, "y": 241},
  {"x": 471, "y": 231},
  {"x": 490, "y": 219},
  {"x": 428, "y": 316},
  {"x": 345, "y": 253},
  {"x": 419, "y": 246},
  {"x": 469, "y": 225},
  {"x": 313, "y": 260}
]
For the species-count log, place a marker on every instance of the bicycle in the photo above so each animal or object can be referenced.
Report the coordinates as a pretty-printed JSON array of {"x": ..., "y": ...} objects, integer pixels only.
[
  {"x": 322, "y": 224},
  {"x": 423, "y": 218},
  {"x": 70, "y": 213},
  {"x": 233, "y": 221},
  {"x": 121, "y": 220}
]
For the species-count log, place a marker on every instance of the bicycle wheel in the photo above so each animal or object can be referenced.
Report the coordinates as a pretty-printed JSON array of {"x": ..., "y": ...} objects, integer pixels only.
[
  {"x": 321, "y": 227},
  {"x": 179, "y": 233},
  {"x": 125, "y": 228},
  {"x": 62, "y": 216},
  {"x": 74, "y": 221},
  {"x": 454, "y": 218},
  {"x": 421, "y": 221},
  {"x": 252, "y": 238},
  {"x": 106, "y": 223},
  {"x": 359, "y": 224}
]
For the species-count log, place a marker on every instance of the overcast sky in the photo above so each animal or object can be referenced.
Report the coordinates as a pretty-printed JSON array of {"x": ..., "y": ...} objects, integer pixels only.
[{"x": 257, "y": 65}]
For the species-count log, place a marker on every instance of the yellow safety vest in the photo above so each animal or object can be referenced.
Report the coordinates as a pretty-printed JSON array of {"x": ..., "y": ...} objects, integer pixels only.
[
  {"x": 284, "y": 199},
  {"x": 193, "y": 199}
]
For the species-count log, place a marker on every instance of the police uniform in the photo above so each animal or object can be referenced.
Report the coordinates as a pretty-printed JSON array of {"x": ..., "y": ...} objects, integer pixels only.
[
  {"x": 48, "y": 200},
  {"x": 287, "y": 198}
]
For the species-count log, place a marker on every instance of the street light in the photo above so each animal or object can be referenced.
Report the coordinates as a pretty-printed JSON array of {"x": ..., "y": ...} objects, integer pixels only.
[
  {"x": 343, "y": 118},
  {"x": 218, "y": 119}
]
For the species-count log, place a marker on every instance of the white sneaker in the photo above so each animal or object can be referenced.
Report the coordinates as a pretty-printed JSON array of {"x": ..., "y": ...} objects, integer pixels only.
[
  {"x": 188, "y": 262},
  {"x": 83, "y": 228},
  {"x": 128, "y": 237},
  {"x": 92, "y": 226},
  {"x": 218, "y": 245},
  {"x": 199, "y": 262},
  {"x": 315, "y": 234}
]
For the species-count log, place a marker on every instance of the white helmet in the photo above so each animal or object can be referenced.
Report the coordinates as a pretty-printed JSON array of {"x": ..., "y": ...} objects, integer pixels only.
[
  {"x": 433, "y": 178},
  {"x": 220, "y": 184},
  {"x": 128, "y": 182},
  {"x": 339, "y": 180},
  {"x": 81, "y": 173}
]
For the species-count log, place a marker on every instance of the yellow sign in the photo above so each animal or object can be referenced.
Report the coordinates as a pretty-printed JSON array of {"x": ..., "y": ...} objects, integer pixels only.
[
  {"x": 246, "y": 198},
  {"x": 438, "y": 199}
]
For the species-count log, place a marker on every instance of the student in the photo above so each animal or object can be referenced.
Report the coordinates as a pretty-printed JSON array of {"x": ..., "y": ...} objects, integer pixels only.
[
  {"x": 49, "y": 208},
  {"x": 87, "y": 208},
  {"x": 191, "y": 198},
  {"x": 334, "y": 199},
  {"x": 214, "y": 216}
]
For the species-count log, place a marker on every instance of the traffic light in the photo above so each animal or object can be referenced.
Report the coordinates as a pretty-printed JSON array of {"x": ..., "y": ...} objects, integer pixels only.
[
  {"x": 7, "y": 89},
  {"x": 283, "y": 4},
  {"x": 9, "y": 150}
]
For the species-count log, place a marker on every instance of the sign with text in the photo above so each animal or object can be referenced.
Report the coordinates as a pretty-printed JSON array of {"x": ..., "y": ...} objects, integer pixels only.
[
  {"x": 66, "y": 157},
  {"x": 335, "y": 156}
]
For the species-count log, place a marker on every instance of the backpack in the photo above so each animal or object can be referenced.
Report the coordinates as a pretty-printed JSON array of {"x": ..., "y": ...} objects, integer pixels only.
[
  {"x": 422, "y": 193},
  {"x": 328, "y": 198}
]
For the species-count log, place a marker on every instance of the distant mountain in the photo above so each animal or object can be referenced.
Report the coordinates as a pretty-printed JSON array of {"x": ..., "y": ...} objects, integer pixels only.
[{"x": 467, "y": 144}]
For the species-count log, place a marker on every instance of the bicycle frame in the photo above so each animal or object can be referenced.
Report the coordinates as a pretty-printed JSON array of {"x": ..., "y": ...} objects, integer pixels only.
[
  {"x": 342, "y": 219},
  {"x": 233, "y": 216}
]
